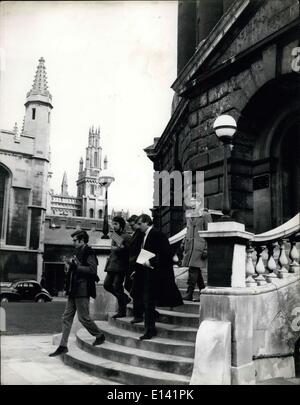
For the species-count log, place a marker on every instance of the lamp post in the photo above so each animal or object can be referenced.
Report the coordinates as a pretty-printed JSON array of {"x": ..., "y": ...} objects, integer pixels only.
[
  {"x": 225, "y": 127},
  {"x": 105, "y": 180}
]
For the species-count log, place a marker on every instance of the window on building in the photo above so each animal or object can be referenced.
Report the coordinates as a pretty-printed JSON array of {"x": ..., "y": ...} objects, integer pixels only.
[
  {"x": 33, "y": 113},
  {"x": 96, "y": 159},
  {"x": 91, "y": 213},
  {"x": 92, "y": 189},
  {"x": 4, "y": 176},
  {"x": 48, "y": 116},
  {"x": 100, "y": 213}
]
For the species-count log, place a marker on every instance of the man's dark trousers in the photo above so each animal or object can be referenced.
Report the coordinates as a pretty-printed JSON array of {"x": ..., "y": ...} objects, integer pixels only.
[
  {"x": 148, "y": 295},
  {"x": 82, "y": 306},
  {"x": 195, "y": 277},
  {"x": 113, "y": 283},
  {"x": 137, "y": 293}
]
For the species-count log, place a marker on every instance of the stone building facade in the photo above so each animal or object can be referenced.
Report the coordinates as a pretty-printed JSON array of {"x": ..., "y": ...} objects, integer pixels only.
[
  {"x": 236, "y": 57},
  {"x": 24, "y": 162}
]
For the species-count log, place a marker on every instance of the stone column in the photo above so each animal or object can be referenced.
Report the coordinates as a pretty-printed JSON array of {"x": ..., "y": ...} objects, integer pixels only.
[
  {"x": 186, "y": 41},
  {"x": 226, "y": 245},
  {"x": 227, "y": 299},
  {"x": 208, "y": 14}
]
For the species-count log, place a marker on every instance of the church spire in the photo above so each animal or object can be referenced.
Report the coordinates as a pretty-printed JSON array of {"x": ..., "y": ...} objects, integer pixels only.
[
  {"x": 39, "y": 90},
  {"x": 64, "y": 185}
]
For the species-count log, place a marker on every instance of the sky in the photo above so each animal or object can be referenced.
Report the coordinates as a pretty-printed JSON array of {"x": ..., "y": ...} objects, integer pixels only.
[{"x": 109, "y": 64}]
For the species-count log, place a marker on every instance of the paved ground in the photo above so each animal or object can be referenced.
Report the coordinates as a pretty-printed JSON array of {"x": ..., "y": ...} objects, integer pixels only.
[
  {"x": 25, "y": 361},
  {"x": 33, "y": 317}
]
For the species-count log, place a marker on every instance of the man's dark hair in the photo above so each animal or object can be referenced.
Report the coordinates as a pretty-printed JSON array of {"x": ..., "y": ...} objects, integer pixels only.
[
  {"x": 80, "y": 235},
  {"x": 145, "y": 218},
  {"x": 121, "y": 221},
  {"x": 133, "y": 218}
]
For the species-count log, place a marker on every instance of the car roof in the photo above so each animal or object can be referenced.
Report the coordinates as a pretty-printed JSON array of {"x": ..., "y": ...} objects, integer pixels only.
[{"x": 26, "y": 281}]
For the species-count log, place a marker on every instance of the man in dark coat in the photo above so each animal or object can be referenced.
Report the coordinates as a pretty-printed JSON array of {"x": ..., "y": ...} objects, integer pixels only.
[
  {"x": 117, "y": 265},
  {"x": 133, "y": 277},
  {"x": 158, "y": 287},
  {"x": 80, "y": 286}
]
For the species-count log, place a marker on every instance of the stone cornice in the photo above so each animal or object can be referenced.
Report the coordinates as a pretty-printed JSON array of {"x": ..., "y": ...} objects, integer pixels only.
[
  {"x": 241, "y": 58},
  {"x": 209, "y": 44},
  {"x": 15, "y": 154},
  {"x": 186, "y": 79},
  {"x": 179, "y": 111}
]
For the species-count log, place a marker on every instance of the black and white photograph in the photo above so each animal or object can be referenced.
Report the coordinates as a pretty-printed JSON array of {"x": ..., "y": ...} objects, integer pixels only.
[{"x": 150, "y": 195}]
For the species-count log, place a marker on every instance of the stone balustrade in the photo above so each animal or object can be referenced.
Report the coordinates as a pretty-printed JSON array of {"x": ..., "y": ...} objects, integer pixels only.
[{"x": 273, "y": 254}]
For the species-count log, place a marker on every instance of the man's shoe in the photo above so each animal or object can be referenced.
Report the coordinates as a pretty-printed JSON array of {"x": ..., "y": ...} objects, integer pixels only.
[
  {"x": 99, "y": 340},
  {"x": 136, "y": 320},
  {"x": 119, "y": 315},
  {"x": 196, "y": 299},
  {"x": 60, "y": 350},
  {"x": 148, "y": 335}
]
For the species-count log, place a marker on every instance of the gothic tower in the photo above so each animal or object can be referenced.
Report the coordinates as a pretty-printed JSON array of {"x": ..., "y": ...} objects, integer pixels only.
[
  {"x": 88, "y": 187},
  {"x": 38, "y": 108}
]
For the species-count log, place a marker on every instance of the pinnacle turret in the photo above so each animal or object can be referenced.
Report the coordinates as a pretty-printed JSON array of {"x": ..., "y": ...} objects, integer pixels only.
[{"x": 40, "y": 85}]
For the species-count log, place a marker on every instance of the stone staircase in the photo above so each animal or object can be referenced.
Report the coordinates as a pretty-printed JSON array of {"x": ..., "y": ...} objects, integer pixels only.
[{"x": 166, "y": 359}]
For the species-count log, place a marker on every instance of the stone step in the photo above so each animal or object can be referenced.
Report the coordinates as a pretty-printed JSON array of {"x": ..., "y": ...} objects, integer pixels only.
[
  {"x": 163, "y": 330},
  {"x": 196, "y": 294},
  {"x": 157, "y": 344},
  {"x": 280, "y": 381},
  {"x": 135, "y": 357},
  {"x": 189, "y": 307},
  {"x": 119, "y": 372},
  {"x": 173, "y": 317}
]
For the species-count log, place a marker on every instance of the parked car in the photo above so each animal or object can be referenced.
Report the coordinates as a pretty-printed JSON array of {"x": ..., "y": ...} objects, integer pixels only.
[{"x": 24, "y": 290}]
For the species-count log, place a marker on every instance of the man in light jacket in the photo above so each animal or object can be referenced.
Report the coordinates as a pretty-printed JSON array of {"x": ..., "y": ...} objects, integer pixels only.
[{"x": 195, "y": 248}]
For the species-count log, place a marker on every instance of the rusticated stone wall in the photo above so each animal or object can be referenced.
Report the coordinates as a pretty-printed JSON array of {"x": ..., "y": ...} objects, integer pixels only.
[{"x": 191, "y": 144}]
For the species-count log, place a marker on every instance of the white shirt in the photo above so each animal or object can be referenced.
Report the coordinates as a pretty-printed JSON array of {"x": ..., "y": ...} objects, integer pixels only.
[{"x": 146, "y": 234}]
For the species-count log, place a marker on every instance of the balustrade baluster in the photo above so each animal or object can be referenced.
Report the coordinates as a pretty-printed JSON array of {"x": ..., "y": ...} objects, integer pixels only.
[
  {"x": 294, "y": 256},
  {"x": 282, "y": 260},
  {"x": 260, "y": 267},
  {"x": 271, "y": 264},
  {"x": 250, "y": 270}
]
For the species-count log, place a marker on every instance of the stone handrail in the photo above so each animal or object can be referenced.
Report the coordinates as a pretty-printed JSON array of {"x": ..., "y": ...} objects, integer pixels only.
[
  {"x": 289, "y": 228},
  {"x": 271, "y": 250}
]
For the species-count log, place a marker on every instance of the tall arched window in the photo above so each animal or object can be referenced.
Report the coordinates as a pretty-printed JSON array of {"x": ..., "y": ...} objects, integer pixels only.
[
  {"x": 96, "y": 159},
  {"x": 91, "y": 213},
  {"x": 100, "y": 213},
  {"x": 4, "y": 178}
]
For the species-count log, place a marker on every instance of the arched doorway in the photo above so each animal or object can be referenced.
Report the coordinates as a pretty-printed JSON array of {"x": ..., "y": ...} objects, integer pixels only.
[
  {"x": 289, "y": 171},
  {"x": 268, "y": 141}
]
